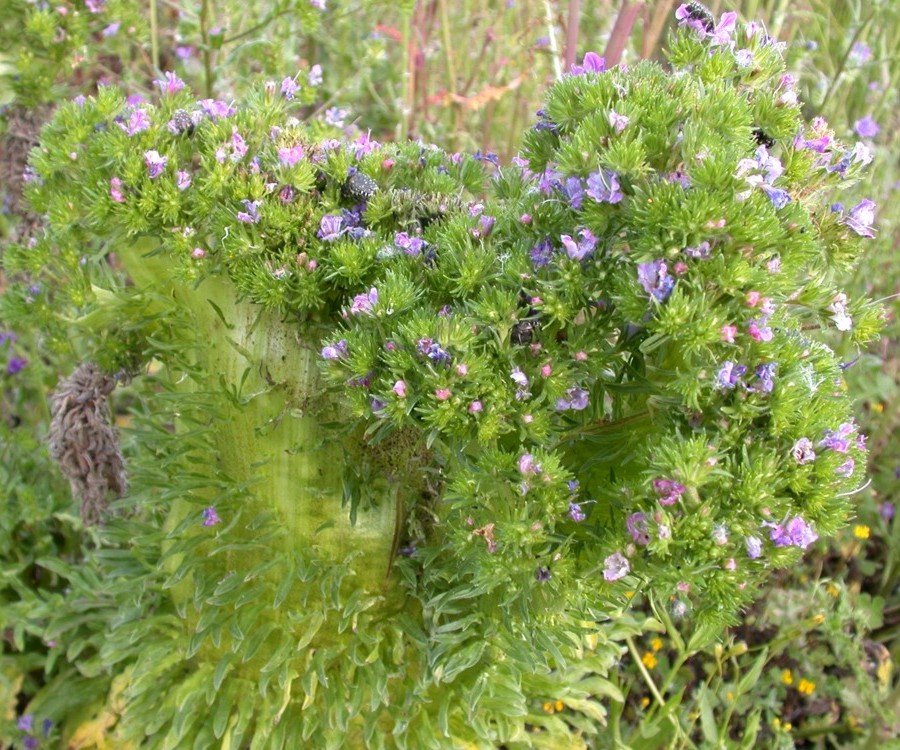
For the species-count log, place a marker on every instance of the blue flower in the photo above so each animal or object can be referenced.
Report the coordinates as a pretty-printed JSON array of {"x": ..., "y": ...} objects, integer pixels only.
[
  {"x": 542, "y": 253},
  {"x": 603, "y": 187},
  {"x": 654, "y": 278},
  {"x": 576, "y": 513},
  {"x": 729, "y": 375}
]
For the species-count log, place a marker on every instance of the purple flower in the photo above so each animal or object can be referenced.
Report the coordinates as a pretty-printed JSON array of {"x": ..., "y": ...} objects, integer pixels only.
[
  {"x": 251, "y": 215},
  {"x": 289, "y": 88},
  {"x": 486, "y": 223},
  {"x": 184, "y": 51},
  {"x": 669, "y": 490},
  {"x": 541, "y": 253},
  {"x": 615, "y": 566},
  {"x": 794, "y": 533},
  {"x": 111, "y": 30},
  {"x": 803, "y": 452},
  {"x": 115, "y": 190},
  {"x": 766, "y": 375},
  {"x": 576, "y": 513},
  {"x": 521, "y": 381},
  {"x": 330, "y": 228},
  {"x": 155, "y": 163},
  {"x": 592, "y": 63},
  {"x": 861, "y": 218},
  {"x": 860, "y": 53},
  {"x": 364, "y": 303},
  {"x": 744, "y": 58},
  {"x": 887, "y": 510},
  {"x": 318, "y": 4},
  {"x": 527, "y": 464},
  {"x": 210, "y": 517},
  {"x": 779, "y": 197},
  {"x": 26, "y": 722},
  {"x": 573, "y": 191},
  {"x": 315, "y": 75},
  {"x": 654, "y": 278},
  {"x": 335, "y": 116},
  {"x": 30, "y": 743},
  {"x": 338, "y": 350},
  {"x": 838, "y": 440},
  {"x": 618, "y": 122},
  {"x": 409, "y": 245},
  {"x": 216, "y": 109},
  {"x": 542, "y": 574},
  {"x": 433, "y": 351},
  {"x": 95, "y": 6},
  {"x": 171, "y": 84},
  {"x": 846, "y": 468},
  {"x": 137, "y": 122},
  {"x": 580, "y": 250},
  {"x": 603, "y": 187},
  {"x": 637, "y": 527},
  {"x": 754, "y": 547},
  {"x": 576, "y": 399},
  {"x": 700, "y": 252},
  {"x": 290, "y": 156},
  {"x": 182, "y": 179},
  {"x": 866, "y": 127}
]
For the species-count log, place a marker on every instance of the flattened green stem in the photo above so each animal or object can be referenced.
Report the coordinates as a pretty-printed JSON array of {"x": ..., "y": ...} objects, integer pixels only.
[{"x": 270, "y": 435}]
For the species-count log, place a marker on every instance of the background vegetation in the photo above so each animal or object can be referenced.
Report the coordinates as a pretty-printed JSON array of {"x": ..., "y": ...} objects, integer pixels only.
[{"x": 812, "y": 664}]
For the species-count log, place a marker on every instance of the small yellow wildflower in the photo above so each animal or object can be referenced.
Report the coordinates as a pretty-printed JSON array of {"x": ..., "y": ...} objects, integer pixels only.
[
  {"x": 787, "y": 726},
  {"x": 818, "y": 619},
  {"x": 833, "y": 590},
  {"x": 878, "y": 408},
  {"x": 548, "y": 707},
  {"x": 787, "y": 677},
  {"x": 645, "y": 701},
  {"x": 559, "y": 705},
  {"x": 629, "y": 594},
  {"x": 649, "y": 660},
  {"x": 656, "y": 644},
  {"x": 806, "y": 686},
  {"x": 776, "y": 722},
  {"x": 861, "y": 531},
  {"x": 729, "y": 696}
]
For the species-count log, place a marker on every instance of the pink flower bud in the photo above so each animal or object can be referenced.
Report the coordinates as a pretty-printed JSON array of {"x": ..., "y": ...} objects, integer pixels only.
[
  {"x": 400, "y": 389},
  {"x": 728, "y": 333},
  {"x": 442, "y": 394}
]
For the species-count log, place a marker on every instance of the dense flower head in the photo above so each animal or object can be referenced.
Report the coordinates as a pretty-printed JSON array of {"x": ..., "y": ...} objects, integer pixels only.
[{"x": 636, "y": 307}]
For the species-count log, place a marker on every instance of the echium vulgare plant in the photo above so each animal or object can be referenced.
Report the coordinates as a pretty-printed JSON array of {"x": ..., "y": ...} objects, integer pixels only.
[{"x": 412, "y": 430}]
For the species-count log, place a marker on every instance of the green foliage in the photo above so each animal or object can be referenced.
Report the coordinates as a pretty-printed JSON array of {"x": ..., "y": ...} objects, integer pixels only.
[{"x": 500, "y": 358}]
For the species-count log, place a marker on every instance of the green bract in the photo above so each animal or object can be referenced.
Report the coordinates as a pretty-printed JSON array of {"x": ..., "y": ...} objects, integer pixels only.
[{"x": 447, "y": 419}]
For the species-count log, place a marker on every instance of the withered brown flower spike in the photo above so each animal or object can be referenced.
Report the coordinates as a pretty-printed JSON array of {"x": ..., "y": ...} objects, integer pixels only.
[{"x": 83, "y": 441}]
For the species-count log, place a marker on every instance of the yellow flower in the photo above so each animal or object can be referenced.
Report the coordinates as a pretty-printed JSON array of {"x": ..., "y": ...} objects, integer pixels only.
[
  {"x": 729, "y": 696},
  {"x": 645, "y": 701},
  {"x": 656, "y": 644},
  {"x": 787, "y": 677},
  {"x": 649, "y": 660},
  {"x": 818, "y": 619},
  {"x": 878, "y": 408},
  {"x": 548, "y": 707},
  {"x": 833, "y": 590},
  {"x": 559, "y": 705},
  {"x": 860, "y": 531},
  {"x": 806, "y": 686}
]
